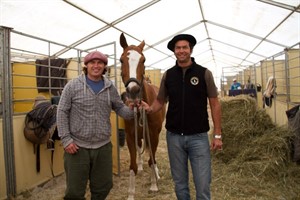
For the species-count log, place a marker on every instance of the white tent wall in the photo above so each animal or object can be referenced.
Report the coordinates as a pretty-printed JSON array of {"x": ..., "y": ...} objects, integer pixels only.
[{"x": 227, "y": 33}]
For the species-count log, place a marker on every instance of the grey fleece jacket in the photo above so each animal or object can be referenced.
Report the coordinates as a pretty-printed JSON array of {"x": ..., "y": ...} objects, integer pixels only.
[{"x": 83, "y": 117}]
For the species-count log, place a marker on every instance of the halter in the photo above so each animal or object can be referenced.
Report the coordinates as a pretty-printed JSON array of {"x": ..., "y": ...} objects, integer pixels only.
[
  {"x": 133, "y": 80},
  {"x": 139, "y": 83}
]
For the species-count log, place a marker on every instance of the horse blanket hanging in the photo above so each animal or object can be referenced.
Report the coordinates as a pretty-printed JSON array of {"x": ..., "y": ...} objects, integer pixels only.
[{"x": 57, "y": 71}]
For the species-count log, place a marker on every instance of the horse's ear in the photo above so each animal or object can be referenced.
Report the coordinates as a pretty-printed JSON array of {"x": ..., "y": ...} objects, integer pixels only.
[
  {"x": 123, "y": 41},
  {"x": 141, "y": 46}
]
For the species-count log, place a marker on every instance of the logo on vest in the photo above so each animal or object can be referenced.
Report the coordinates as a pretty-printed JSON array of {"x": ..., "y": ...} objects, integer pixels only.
[{"x": 194, "y": 80}]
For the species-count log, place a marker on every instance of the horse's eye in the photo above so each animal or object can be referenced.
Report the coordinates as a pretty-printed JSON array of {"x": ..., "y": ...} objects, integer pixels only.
[{"x": 121, "y": 61}]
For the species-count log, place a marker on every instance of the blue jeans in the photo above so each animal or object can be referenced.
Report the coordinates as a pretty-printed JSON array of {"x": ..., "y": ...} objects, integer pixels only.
[{"x": 196, "y": 149}]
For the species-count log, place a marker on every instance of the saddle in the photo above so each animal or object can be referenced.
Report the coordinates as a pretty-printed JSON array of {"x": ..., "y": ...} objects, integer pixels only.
[{"x": 40, "y": 128}]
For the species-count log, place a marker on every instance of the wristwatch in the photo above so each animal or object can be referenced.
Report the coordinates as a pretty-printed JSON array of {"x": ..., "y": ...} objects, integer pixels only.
[{"x": 217, "y": 136}]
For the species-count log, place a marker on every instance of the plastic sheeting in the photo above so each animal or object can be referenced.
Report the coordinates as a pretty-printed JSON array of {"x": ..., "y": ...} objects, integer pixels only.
[{"x": 230, "y": 33}]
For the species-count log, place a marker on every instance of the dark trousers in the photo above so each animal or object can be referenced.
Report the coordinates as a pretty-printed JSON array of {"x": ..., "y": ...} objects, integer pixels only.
[{"x": 93, "y": 165}]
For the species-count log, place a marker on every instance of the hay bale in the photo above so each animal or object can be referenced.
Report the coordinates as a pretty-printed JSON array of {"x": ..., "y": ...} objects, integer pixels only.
[
  {"x": 252, "y": 144},
  {"x": 255, "y": 162},
  {"x": 266, "y": 157}
]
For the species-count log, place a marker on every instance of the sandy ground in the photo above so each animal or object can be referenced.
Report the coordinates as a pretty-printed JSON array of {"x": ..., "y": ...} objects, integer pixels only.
[
  {"x": 54, "y": 189},
  {"x": 226, "y": 184}
]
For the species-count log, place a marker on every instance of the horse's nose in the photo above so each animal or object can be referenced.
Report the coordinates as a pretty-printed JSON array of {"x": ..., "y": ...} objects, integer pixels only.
[
  {"x": 135, "y": 89},
  {"x": 133, "y": 92}
]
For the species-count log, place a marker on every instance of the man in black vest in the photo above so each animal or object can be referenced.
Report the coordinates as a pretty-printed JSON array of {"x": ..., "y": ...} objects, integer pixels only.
[{"x": 186, "y": 87}]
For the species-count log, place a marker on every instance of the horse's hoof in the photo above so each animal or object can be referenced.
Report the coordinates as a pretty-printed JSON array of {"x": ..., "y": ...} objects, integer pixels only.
[
  {"x": 140, "y": 168},
  {"x": 153, "y": 188},
  {"x": 130, "y": 197}
]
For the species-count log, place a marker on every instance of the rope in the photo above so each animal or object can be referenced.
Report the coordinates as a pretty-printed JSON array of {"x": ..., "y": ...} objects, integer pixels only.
[
  {"x": 42, "y": 117},
  {"x": 135, "y": 128},
  {"x": 40, "y": 120},
  {"x": 136, "y": 119},
  {"x": 143, "y": 122}
]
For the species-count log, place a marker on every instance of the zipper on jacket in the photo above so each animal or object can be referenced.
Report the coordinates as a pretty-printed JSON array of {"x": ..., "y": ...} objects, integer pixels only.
[{"x": 182, "y": 106}]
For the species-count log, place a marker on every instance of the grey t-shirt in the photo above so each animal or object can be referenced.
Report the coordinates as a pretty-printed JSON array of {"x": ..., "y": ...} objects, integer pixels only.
[{"x": 210, "y": 83}]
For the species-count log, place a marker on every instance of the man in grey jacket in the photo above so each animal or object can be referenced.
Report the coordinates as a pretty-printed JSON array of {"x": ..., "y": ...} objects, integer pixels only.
[{"x": 83, "y": 122}]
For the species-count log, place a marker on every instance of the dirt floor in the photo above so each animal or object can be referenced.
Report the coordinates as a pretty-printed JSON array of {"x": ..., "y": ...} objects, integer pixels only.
[
  {"x": 226, "y": 185},
  {"x": 238, "y": 179},
  {"x": 54, "y": 189}
]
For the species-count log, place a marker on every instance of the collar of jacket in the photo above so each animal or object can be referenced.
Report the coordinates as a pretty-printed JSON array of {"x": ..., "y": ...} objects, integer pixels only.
[{"x": 193, "y": 63}]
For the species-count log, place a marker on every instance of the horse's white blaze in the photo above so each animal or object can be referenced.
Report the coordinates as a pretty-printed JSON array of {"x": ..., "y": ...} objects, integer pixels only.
[
  {"x": 140, "y": 160},
  {"x": 131, "y": 189},
  {"x": 133, "y": 61}
]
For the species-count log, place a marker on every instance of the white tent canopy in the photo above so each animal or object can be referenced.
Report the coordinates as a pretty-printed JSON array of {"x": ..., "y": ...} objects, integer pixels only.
[{"x": 229, "y": 33}]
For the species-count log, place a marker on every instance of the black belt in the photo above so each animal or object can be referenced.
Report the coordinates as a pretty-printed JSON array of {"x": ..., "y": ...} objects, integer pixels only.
[{"x": 186, "y": 133}]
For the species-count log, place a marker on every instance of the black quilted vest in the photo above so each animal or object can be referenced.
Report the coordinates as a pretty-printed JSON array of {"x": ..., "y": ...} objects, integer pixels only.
[{"x": 187, "y": 110}]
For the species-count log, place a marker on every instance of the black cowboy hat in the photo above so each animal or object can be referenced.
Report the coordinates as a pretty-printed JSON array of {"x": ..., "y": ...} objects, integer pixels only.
[{"x": 190, "y": 38}]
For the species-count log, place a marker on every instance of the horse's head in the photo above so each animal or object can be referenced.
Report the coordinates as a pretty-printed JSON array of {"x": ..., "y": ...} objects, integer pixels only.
[{"x": 132, "y": 68}]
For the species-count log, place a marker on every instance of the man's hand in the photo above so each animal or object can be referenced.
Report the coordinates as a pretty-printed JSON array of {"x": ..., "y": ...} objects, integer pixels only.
[
  {"x": 72, "y": 148},
  {"x": 145, "y": 106},
  {"x": 216, "y": 144}
]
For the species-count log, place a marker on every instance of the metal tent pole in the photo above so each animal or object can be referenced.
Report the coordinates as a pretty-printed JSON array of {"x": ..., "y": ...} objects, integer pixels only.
[{"x": 7, "y": 111}]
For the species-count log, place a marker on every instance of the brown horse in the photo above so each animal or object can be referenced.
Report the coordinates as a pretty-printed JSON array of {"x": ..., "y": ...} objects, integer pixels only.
[{"x": 137, "y": 88}]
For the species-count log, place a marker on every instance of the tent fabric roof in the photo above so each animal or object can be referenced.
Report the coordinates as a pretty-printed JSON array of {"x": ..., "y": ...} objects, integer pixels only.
[{"x": 229, "y": 33}]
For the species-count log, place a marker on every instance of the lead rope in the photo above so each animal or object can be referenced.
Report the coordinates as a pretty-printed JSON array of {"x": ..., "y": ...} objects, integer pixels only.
[
  {"x": 146, "y": 129},
  {"x": 135, "y": 127},
  {"x": 143, "y": 122}
]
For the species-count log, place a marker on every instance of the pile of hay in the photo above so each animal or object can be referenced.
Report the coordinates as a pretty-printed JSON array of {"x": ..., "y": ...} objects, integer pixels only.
[{"x": 256, "y": 154}]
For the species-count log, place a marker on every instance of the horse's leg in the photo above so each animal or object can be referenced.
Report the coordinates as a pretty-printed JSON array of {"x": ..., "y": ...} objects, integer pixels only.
[
  {"x": 131, "y": 189},
  {"x": 140, "y": 155},
  {"x": 154, "y": 178},
  {"x": 152, "y": 163},
  {"x": 133, "y": 166}
]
